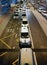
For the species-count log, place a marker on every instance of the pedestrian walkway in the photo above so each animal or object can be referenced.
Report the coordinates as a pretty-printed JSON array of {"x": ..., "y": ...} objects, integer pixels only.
[
  {"x": 41, "y": 20},
  {"x": 4, "y": 21}
]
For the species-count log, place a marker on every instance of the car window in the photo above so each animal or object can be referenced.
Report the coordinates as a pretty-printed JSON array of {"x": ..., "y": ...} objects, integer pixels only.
[
  {"x": 24, "y": 22},
  {"x": 16, "y": 14},
  {"x": 26, "y": 64},
  {"x": 24, "y": 35}
]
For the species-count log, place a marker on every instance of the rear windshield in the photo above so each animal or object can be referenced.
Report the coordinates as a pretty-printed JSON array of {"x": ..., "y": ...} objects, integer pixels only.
[
  {"x": 26, "y": 64},
  {"x": 24, "y": 35},
  {"x": 24, "y": 22}
]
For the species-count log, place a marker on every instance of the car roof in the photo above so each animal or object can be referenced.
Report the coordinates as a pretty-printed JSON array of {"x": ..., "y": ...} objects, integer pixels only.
[
  {"x": 24, "y": 29},
  {"x": 26, "y": 56},
  {"x": 24, "y": 19}
]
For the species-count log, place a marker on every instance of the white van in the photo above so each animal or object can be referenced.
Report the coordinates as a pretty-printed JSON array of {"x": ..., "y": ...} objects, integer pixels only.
[
  {"x": 24, "y": 38},
  {"x": 26, "y": 57}
]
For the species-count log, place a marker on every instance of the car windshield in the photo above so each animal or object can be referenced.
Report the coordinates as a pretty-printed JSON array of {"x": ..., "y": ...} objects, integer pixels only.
[
  {"x": 24, "y": 35},
  {"x": 26, "y": 64},
  {"x": 24, "y": 22}
]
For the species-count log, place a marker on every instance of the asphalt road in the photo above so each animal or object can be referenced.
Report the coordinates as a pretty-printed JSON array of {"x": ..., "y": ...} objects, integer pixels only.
[
  {"x": 10, "y": 40},
  {"x": 39, "y": 38}
]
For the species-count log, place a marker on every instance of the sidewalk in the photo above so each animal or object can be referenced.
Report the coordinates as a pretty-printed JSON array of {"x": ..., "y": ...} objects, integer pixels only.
[
  {"x": 4, "y": 21},
  {"x": 41, "y": 20}
]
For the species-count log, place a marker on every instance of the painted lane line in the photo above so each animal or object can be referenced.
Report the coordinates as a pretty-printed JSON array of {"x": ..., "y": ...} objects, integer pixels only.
[
  {"x": 15, "y": 62},
  {"x": 8, "y": 36},
  {"x": 3, "y": 54},
  {"x": 5, "y": 44}
]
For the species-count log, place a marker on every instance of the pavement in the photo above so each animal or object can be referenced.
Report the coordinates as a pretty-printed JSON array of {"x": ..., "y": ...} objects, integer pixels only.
[
  {"x": 41, "y": 20},
  {"x": 4, "y": 21}
]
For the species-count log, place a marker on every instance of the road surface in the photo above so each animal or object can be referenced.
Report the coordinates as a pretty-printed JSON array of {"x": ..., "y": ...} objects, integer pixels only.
[{"x": 39, "y": 38}]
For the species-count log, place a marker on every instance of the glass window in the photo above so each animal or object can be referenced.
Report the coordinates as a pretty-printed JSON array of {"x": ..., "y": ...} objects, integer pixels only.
[
  {"x": 24, "y": 22},
  {"x": 26, "y": 64},
  {"x": 24, "y": 35}
]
